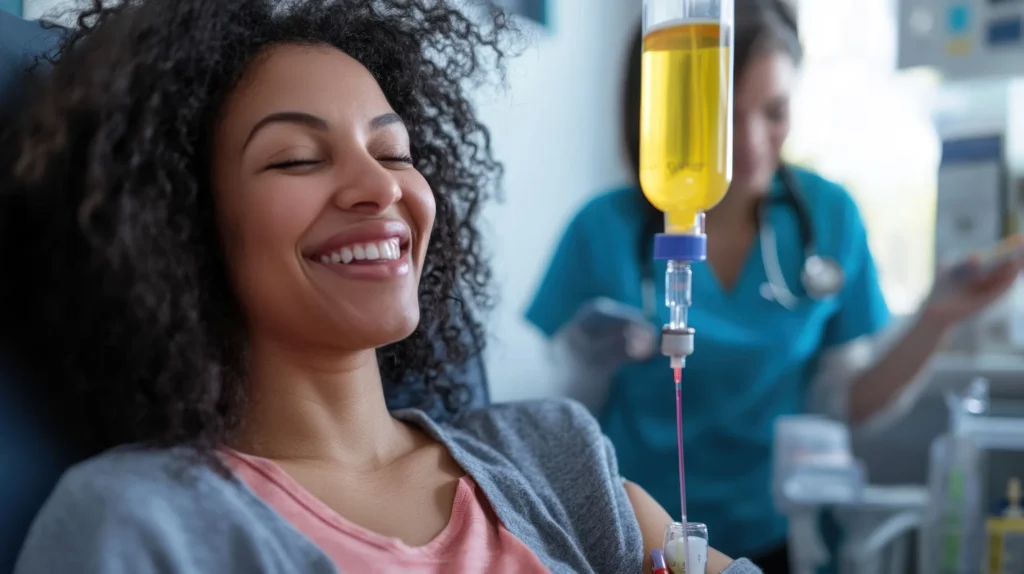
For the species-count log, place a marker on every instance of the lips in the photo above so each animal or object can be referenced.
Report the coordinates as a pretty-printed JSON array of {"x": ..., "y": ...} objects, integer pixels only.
[
  {"x": 368, "y": 242},
  {"x": 377, "y": 250},
  {"x": 366, "y": 252}
]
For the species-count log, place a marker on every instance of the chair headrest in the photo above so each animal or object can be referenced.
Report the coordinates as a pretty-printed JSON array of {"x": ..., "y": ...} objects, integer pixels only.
[{"x": 21, "y": 41}]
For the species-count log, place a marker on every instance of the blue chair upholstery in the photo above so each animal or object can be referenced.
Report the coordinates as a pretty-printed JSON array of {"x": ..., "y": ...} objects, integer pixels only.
[
  {"x": 413, "y": 391},
  {"x": 32, "y": 454},
  {"x": 32, "y": 457}
]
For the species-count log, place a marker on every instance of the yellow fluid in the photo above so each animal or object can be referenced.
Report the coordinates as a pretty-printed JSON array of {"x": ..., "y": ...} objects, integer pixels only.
[{"x": 686, "y": 120}]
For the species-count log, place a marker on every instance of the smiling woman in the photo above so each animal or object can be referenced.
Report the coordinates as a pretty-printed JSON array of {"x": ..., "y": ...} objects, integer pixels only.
[{"x": 233, "y": 221}]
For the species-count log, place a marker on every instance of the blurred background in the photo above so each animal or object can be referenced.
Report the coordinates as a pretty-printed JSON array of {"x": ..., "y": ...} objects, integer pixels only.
[
  {"x": 856, "y": 120},
  {"x": 879, "y": 98}
]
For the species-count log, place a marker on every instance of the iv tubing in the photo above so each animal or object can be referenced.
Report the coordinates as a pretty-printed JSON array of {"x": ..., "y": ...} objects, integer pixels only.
[{"x": 682, "y": 468}]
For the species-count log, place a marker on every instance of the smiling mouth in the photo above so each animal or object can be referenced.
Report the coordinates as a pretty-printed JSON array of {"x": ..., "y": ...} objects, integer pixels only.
[{"x": 364, "y": 253}]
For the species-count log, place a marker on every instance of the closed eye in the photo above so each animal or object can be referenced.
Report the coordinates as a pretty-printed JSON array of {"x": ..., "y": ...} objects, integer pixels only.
[
  {"x": 293, "y": 163},
  {"x": 403, "y": 159}
]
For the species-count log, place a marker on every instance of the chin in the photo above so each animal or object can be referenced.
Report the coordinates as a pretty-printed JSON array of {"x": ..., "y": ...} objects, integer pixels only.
[
  {"x": 753, "y": 182},
  {"x": 392, "y": 327}
]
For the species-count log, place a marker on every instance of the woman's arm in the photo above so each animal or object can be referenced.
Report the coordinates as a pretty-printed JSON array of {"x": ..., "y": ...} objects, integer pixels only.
[
  {"x": 653, "y": 518},
  {"x": 855, "y": 381},
  {"x": 898, "y": 366},
  {"x": 874, "y": 379}
]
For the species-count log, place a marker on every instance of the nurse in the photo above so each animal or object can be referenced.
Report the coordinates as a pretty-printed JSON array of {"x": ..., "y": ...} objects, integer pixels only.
[{"x": 779, "y": 330}]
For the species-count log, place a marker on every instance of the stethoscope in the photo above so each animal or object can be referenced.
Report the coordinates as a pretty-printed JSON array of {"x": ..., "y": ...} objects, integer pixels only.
[{"x": 821, "y": 276}]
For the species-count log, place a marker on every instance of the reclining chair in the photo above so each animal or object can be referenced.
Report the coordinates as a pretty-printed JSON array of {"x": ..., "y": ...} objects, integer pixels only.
[{"x": 32, "y": 453}]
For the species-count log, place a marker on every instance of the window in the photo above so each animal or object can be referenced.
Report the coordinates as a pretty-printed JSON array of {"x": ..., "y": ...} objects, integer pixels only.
[{"x": 860, "y": 123}]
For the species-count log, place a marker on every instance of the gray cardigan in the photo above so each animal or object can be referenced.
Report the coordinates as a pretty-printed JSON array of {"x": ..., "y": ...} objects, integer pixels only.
[{"x": 546, "y": 468}]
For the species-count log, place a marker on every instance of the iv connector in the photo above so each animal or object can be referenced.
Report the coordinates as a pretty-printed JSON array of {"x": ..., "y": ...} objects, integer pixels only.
[{"x": 677, "y": 344}]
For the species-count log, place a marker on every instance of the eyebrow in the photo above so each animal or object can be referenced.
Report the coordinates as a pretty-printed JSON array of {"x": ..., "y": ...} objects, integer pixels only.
[{"x": 315, "y": 122}]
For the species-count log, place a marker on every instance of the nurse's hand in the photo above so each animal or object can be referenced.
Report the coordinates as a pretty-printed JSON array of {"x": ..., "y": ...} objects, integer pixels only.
[
  {"x": 606, "y": 334},
  {"x": 959, "y": 300}
]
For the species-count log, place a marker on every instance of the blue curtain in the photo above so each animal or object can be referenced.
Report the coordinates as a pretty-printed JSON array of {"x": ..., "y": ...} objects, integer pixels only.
[{"x": 12, "y": 6}]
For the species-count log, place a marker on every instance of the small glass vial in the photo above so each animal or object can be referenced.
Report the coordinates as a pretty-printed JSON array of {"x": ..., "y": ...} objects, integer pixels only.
[{"x": 697, "y": 536}]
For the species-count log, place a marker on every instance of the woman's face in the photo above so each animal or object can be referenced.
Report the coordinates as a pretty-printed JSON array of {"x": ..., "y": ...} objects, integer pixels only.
[
  {"x": 761, "y": 119},
  {"x": 324, "y": 219}
]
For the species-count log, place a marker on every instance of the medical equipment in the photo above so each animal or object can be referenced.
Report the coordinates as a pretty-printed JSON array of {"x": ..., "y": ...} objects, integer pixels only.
[
  {"x": 977, "y": 48},
  {"x": 820, "y": 276},
  {"x": 685, "y": 139},
  {"x": 963, "y": 39},
  {"x": 970, "y": 466},
  {"x": 693, "y": 546},
  {"x": 685, "y": 152},
  {"x": 658, "y": 564},
  {"x": 1004, "y": 549},
  {"x": 813, "y": 471},
  {"x": 980, "y": 200}
]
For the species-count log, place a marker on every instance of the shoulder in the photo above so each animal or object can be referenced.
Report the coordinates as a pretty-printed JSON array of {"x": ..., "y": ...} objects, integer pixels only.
[
  {"x": 534, "y": 423},
  {"x": 544, "y": 435},
  {"x": 822, "y": 192},
  {"x": 623, "y": 204},
  {"x": 136, "y": 488},
  {"x": 130, "y": 506},
  {"x": 132, "y": 475},
  {"x": 160, "y": 510},
  {"x": 825, "y": 198},
  {"x": 552, "y": 475}
]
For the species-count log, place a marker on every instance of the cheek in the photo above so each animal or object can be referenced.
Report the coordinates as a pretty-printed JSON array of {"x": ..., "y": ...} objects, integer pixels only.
[
  {"x": 271, "y": 217},
  {"x": 263, "y": 224},
  {"x": 758, "y": 142},
  {"x": 421, "y": 205},
  {"x": 779, "y": 133}
]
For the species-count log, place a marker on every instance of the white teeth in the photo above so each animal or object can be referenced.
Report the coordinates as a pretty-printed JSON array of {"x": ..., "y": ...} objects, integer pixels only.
[{"x": 388, "y": 250}]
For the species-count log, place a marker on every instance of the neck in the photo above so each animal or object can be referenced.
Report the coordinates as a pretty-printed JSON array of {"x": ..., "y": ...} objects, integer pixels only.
[
  {"x": 738, "y": 207},
  {"x": 319, "y": 407}
]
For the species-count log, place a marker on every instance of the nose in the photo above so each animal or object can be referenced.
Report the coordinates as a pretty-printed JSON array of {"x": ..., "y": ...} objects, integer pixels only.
[{"x": 366, "y": 187}]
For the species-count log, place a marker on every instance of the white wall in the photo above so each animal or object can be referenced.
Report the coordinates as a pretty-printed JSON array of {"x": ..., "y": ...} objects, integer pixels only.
[
  {"x": 37, "y": 8},
  {"x": 556, "y": 128}
]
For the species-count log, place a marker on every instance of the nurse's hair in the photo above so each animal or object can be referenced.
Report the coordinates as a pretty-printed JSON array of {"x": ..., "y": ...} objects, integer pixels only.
[{"x": 762, "y": 26}]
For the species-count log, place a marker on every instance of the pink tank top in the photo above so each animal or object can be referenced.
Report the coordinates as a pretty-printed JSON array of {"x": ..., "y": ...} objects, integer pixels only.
[{"x": 474, "y": 541}]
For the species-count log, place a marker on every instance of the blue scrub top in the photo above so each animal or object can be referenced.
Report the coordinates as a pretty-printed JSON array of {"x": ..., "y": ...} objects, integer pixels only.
[{"x": 753, "y": 360}]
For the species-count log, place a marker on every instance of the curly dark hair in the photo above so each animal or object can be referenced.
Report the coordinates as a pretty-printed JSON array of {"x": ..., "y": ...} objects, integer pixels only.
[{"x": 126, "y": 316}]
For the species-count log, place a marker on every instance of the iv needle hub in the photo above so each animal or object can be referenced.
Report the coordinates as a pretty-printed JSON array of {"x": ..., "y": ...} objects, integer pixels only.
[{"x": 677, "y": 344}]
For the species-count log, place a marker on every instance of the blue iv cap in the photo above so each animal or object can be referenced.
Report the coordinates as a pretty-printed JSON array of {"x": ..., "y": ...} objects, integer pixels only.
[{"x": 668, "y": 246}]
